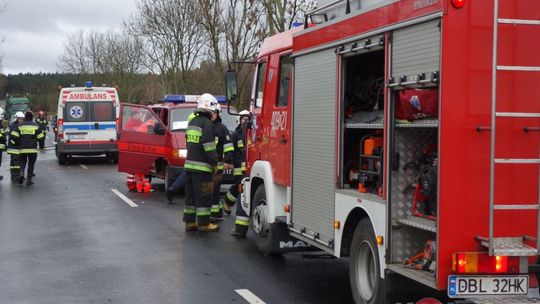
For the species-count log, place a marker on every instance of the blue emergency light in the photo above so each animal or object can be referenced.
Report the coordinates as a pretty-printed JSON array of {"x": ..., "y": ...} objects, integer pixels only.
[
  {"x": 174, "y": 98},
  {"x": 88, "y": 84},
  {"x": 221, "y": 98}
]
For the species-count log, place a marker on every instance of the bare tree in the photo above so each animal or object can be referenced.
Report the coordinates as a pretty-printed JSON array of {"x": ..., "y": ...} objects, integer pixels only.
[
  {"x": 281, "y": 14},
  {"x": 172, "y": 39},
  {"x": 3, "y": 7}
]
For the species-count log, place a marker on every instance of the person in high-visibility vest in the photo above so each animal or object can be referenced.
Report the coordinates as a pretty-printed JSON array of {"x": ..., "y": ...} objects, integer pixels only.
[
  {"x": 13, "y": 150},
  {"x": 26, "y": 136},
  {"x": 180, "y": 181},
  {"x": 2, "y": 146},
  {"x": 224, "y": 149},
  {"x": 242, "y": 219},
  {"x": 43, "y": 124},
  {"x": 200, "y": 165}
]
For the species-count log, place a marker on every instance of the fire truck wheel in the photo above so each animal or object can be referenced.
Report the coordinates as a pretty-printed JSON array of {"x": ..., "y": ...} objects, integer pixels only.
[
  {"x": 259, "y": 222},
  {"x": 364, "y": 269}
]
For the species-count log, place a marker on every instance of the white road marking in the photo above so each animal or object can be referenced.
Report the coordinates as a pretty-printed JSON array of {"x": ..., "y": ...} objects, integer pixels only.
[
  {"x": 83, "y": 166},
  {"x": 124, "y": 198},
  {"x": 249, "y": 296}
]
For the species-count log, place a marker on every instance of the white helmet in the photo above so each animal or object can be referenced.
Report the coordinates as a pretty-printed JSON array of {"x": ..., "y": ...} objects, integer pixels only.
[
  {"x": 244, "y": 113},
  {"x": 207, "y": 103},
  {"x": 19, "y": 115}
]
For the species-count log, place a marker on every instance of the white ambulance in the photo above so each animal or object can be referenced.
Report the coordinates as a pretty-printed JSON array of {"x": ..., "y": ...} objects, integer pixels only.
[{"x": 87, "y": 122}]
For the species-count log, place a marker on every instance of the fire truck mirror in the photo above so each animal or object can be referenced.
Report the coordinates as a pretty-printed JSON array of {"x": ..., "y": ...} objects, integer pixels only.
[{"x": 232, "y": 89}]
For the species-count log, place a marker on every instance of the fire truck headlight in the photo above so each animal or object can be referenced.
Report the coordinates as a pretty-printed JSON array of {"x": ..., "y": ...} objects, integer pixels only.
[{"x": 182, "y": 153}]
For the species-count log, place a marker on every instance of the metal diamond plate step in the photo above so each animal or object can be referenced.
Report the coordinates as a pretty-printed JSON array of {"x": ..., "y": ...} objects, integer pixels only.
[{"x": 510, "y": 246}]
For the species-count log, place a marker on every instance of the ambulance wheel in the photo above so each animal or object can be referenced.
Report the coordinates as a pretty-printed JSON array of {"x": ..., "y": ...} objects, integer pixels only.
[
  {"x": 259, "y": 222},
  {"x": 62, "y": 157},
  {"x": 364, "y": 265}
]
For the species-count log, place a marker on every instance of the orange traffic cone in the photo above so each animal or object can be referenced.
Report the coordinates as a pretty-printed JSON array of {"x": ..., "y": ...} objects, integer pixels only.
[
  {"x": 130, "y": 181},
  {"x": 147, "y": 187},
  {"x": 139, "y": 182}
]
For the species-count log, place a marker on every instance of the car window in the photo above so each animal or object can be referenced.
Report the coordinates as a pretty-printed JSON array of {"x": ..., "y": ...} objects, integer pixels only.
[
  {"x": 261, "y": 73},
  {"x": 138, "y": 119}
]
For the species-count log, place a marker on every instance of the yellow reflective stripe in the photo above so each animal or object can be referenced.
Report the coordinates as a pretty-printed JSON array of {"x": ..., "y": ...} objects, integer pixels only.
[
  {"x": 210, "y": 146},
  {"x": 40, "y": 135},
  {"x": 27, "y": 151},
  {"x": 12, "y": 151},
  {"x": 240, "y": 143},
  {"x": 198, "y": 166},
  {"x": 228, "y": 148},
  {"x": 237, "y": 171},
  {"x": 231, "y": 197},
  {"x": 28, "y": 130},
  {"x": 14, "y": 134},
  {"x": 242, "y": 223},
  {"x": 202, "y": 211},
  {"x": 2, "y": 146},
  {"x": 189, "y": 210}
]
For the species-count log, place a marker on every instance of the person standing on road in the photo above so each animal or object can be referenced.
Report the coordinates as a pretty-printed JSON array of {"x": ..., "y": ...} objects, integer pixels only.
[
  {"x": 12, "y": 150},
  {"x": 200, "y": 165},
  {"x": 26, "y": 136},
  {"x": 224, "y": 149},
  {"x": 242, "y": 219},
  {"x": 43, "y": 124},
  {"x": 2, "y": 146}
]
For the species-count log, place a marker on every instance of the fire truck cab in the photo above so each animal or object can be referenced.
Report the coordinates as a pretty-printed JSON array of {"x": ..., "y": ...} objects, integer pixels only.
[
  {"x": 403, "y": 134},
  {"x": 152, "y": 138}
]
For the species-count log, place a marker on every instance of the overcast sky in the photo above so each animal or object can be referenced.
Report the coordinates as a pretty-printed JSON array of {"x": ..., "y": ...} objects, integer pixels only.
[{"x": 34, "y": 30}]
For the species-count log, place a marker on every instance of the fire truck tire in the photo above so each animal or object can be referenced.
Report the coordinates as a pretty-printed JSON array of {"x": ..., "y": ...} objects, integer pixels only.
[
  {"x": 364, "y": 265},
  {"x": 259, "y": 222}
]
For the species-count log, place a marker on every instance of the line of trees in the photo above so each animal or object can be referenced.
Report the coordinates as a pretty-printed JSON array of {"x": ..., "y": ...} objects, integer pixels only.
[{"x": 179, "y": 46}]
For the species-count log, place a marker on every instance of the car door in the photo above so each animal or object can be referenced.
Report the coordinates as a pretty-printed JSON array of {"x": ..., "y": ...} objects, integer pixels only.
[{"x": 139, "y": 146}]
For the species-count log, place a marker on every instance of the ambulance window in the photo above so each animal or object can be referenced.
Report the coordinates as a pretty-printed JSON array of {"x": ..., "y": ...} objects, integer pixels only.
[
  {"x": 102, "y": 111},
  {"x": 75, "y": 112},
  {"x": 284, "y": 81},
  {"x": 261, "y": 73}
]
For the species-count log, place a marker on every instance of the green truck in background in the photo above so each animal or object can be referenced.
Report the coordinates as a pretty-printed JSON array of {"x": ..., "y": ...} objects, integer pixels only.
[{"x": 16, "y": 103}]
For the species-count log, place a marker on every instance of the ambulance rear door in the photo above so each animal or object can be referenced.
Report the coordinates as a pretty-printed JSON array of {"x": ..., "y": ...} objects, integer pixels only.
[{"x": 142, "y": 139}]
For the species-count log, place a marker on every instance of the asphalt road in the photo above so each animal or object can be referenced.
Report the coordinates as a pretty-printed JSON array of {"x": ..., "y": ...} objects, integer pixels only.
[{"x": 70, "y": 239}]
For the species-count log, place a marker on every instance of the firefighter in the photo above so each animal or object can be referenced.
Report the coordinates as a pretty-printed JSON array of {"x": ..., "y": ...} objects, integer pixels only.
[
  {"x": 180, "y": 181},
  {"x": 242, "y": 219},
  {"x": 26, "y": 136},
  {"x": 224, "y": 149},
  {"x": 12, "y": 150},
  {"x": 200, "y": 165},
  {"x": 2, "y": 145},
  {"x": 43, "y": 124}
]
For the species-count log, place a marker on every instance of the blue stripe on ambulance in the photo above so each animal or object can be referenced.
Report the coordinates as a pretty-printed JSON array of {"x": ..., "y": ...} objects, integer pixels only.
[{"x": 89, "y": 127}]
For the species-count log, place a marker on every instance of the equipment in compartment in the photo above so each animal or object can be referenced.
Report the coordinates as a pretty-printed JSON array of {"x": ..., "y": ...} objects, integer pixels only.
[
  {"x": 425, "y": 260},
  {"x": 425, "y": 191},
  {"x": 371, "y": 163},
  {"x": 413, "y": 104}
]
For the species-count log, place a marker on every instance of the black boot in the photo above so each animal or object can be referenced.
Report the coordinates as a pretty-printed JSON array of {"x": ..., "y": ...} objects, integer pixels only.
[
  {"x": 29, "y": 181},
  {"x": 21, "y": 179},
  {"x": 170, "y": 194}
]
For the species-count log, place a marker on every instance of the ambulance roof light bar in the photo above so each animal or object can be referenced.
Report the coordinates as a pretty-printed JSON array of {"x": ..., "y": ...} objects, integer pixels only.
[{"x": 88, "y": 85}]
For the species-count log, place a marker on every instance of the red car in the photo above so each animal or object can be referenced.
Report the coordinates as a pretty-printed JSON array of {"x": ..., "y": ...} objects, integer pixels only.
[{"x": 152, "y": 138}]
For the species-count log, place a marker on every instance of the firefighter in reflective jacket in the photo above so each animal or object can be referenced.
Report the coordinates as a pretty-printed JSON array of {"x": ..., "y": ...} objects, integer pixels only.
[
  {"x": 200, "y": 165},
  {"x": 26, "y": 136},
  {"x": 224, "y": 150},
  {"x": 12, "y": 150},
  {"x": 2, "y": 145},
  {"x": 43, "y": 124},
  {"x": 242, "y": 219}
]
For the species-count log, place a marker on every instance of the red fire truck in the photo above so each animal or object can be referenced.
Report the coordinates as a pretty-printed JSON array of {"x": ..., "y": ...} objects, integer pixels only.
[{"x": 403, "y": 134}]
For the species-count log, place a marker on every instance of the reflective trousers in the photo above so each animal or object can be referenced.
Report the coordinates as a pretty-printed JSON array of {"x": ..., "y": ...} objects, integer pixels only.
[
  {"x": 199, "y": 192},
  {"x": 14, "y": 166}
]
